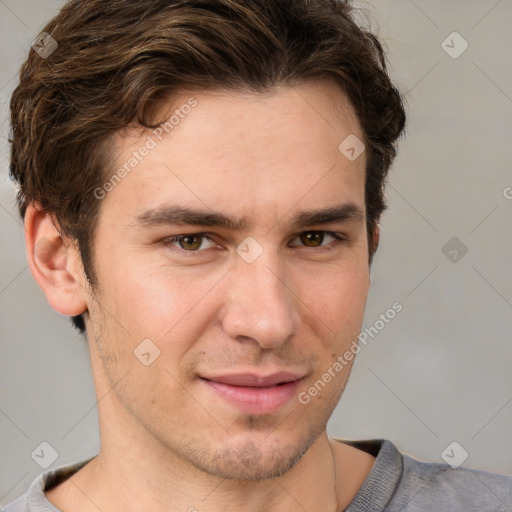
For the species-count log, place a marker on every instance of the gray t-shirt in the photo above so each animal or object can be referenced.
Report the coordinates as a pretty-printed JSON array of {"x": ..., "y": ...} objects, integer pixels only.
[{"x": 396, "y": 483}]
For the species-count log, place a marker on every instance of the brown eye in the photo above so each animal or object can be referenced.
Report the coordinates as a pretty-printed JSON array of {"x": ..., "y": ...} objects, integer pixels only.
[
  {"x": 190, "y": 242},
  {"x": 312, "y": 238},
  {"x": 319, "y": 240}
]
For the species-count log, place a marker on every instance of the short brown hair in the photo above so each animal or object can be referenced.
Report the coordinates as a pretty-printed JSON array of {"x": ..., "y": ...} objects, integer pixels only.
[{"x": 115, "y": 58}]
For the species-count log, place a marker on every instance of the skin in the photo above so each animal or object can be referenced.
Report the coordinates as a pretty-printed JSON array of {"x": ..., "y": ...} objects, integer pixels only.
[{"x": 168, "y": 442}]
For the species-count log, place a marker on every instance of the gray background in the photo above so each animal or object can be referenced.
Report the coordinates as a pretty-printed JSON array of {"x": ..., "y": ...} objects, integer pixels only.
[{"x": 440, "y": 371}]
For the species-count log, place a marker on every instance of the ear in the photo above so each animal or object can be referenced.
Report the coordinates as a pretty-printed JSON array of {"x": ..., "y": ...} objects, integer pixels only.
[
  {"x": 374, "y": 242},
  {"x": 54, "y": 262},
  {"x": 375, "y": 238}
]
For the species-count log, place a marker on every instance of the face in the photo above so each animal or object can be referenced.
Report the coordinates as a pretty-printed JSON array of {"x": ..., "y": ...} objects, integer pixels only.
[{"x": 237, "y": 249}]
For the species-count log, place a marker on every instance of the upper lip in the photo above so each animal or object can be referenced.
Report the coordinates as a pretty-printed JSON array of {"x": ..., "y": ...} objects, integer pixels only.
[{"x": 254, "y": 380}]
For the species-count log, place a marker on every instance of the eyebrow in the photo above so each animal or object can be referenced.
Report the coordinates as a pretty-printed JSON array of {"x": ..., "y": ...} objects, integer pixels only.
[{"x": 182, "y": 215}]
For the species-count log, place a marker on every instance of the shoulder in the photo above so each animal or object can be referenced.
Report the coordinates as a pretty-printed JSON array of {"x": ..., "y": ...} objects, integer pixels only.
[
  {"x": 18, "y": 505},
  {"x": 438, "y": 486},
  {"x": 34, "y": 500},
  {"x": 401, "y": 483}
]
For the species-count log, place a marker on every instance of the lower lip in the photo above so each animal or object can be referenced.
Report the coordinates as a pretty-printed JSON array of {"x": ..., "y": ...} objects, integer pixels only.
[{"x": 256, "y": 400}]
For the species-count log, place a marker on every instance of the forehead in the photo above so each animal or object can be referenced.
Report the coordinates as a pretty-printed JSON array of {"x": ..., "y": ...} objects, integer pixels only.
[{"x": 251, "y": 150}]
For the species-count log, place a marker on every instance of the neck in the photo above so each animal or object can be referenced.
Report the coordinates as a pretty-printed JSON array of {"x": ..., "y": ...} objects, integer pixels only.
[{"x": 135, "y": 479}]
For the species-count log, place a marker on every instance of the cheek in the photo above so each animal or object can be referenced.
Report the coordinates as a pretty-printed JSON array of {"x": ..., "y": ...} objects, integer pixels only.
[
  {"x": 335, "y": 299},
  {"x": 158, "y": 302}
]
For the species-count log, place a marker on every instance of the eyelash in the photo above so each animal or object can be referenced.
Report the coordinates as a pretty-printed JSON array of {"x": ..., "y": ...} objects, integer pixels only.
[{"x": 168, "y": 242}]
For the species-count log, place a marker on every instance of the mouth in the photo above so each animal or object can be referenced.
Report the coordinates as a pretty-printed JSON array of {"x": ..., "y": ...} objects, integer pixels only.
[{"x": 255, "y": 394}]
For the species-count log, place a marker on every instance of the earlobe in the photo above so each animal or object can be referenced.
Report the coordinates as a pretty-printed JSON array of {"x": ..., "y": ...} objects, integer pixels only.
[{"x": 54, "y": 262}]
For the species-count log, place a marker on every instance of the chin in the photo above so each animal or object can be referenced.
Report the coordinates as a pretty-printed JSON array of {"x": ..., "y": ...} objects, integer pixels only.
[{"x": 253, "y": 460}]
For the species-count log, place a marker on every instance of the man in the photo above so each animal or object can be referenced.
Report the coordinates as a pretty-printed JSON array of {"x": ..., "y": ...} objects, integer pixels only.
[{"x": 201, "y": 183}]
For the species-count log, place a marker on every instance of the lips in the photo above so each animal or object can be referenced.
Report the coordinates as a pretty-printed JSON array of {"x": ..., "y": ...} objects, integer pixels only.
[
  {"x": 255, "y": 394},
  {"x": 252, "y": 380}
]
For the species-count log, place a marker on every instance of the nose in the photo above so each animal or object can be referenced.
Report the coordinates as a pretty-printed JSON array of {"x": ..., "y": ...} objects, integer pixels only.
[{"x": 261, "y": 304}]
